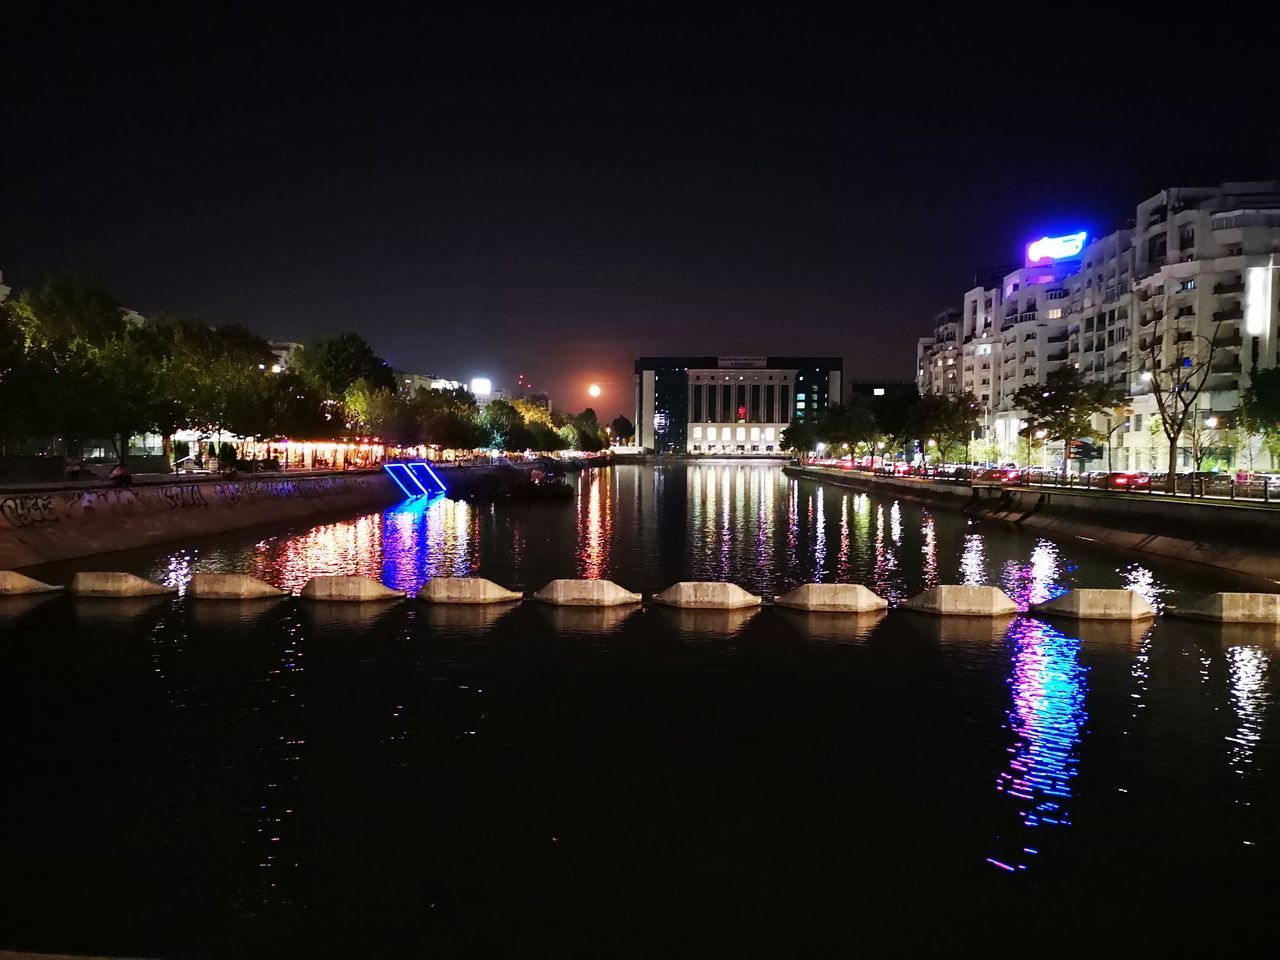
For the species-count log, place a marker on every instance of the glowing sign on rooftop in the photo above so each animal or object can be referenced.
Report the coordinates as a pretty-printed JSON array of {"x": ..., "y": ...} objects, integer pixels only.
[{"x": 1055, "y": 248}]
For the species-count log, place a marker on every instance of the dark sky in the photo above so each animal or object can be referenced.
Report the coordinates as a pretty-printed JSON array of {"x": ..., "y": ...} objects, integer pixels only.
[{"x": 555, "y": 194}]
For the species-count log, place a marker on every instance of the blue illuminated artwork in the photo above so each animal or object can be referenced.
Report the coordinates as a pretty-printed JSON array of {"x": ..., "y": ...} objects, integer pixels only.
[
  {"x": 1055, "y": 248},
  {"x": 409, "y": 478}
]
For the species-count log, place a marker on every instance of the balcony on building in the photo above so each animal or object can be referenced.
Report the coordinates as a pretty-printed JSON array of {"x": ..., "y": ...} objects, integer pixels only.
[
  {"x": 1233, "y": 312},
  {"x": 1230, "y": 287}
]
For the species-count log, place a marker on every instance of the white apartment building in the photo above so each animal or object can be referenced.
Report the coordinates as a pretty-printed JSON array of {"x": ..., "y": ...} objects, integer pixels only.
[{"x": 1204, "y": 258}]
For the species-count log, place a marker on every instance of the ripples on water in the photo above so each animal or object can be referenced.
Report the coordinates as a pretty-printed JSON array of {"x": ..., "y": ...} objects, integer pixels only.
[{"x": 978, "y": 746}]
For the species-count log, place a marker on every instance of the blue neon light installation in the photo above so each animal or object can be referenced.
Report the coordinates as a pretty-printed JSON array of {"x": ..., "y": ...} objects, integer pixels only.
[
  {"x": 414, "y": 487},
  {"x": 408, "y": 492},
  {"x": 430, "y": 474}
]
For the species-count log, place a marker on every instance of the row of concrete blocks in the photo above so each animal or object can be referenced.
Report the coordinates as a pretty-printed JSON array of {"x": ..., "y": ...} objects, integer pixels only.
[{"x": 850, "y": 598}]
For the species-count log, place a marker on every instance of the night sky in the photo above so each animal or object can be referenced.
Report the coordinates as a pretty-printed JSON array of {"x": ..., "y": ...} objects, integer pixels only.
[{"x": 556, "y": 194}]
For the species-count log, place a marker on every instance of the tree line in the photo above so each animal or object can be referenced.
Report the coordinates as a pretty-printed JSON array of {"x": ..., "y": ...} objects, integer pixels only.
[
  {"x": 75, "y": 366},
  {"x": 891, "y": 424}
]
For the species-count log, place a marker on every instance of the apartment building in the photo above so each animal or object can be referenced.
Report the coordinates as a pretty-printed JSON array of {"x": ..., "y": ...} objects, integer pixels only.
[{"x": 1196, "y": 264}]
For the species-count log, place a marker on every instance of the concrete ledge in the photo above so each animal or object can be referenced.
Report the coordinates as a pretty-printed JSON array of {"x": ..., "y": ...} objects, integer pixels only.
[
  {"x": 706, "y": 596},
  {"x": 348, "y": 590},
  {"x": 962, "y": 601},
  {"x": 466, "y": 590},
  {"x": 832, "y": 598},
  {"x": 1232, "y": 608},
  {"x": 231, "y": 586},
  {"x": 586, "y": 593},
  {"x": 116, "y": 585},
  {"x": 14, "y": 584},
  {"x": 1089, "y": 604}
]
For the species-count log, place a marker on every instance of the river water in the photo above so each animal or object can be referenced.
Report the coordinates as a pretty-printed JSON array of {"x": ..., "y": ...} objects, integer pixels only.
[{"x": 191, "y": 779}]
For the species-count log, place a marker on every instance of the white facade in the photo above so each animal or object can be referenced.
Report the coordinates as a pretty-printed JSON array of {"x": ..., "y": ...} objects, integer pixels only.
[{"x": 1182, "y": 269}]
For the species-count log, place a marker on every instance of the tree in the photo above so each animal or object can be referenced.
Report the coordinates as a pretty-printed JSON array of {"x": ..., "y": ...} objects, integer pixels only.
[
  {"x": 1177, "y": 364},
  {"x": 333, "y": 364},
  {"x": 849, "y": 425},
  {"x": 1260, "y": 410},
  {"x": 1064, "y": 406},
  {"x": 799, "y": 436},
  {"x": 895, "y": 416},
  {"x": 1116, "y": 420},
  {"x": 623, "y": 429},
  {"x": 68, "y": 308},
  {"x": 949, "y": 419}
]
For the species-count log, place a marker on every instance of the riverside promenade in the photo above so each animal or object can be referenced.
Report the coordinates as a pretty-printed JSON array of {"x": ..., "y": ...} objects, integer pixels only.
[{"x": 1240, "y": 536}]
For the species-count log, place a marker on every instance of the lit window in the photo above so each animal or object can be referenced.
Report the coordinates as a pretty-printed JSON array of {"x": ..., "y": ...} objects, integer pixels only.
[
  {"x": 697, "y": 433},
  {"x": 711, "y": 434},
  {"x": 742, "y": 434},
  {"x": 878, "y": 392}
]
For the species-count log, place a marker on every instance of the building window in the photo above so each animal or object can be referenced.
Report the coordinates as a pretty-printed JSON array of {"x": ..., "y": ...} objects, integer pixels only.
[
  {"x": 877, "y": 391},
  {"x": 741, "y": 435},
  {"x": 697, "y": 433},
  {"x": 711, "y": 434}
]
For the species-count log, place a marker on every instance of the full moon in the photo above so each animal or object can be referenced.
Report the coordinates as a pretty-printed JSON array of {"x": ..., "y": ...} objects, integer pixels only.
[{"x": 594, "y": 390}]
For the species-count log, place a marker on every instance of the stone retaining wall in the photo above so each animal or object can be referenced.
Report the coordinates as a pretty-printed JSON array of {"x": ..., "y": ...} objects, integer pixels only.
[
  {"x": 1240, "y": 538},
  {"x": 40, "y": 526}
]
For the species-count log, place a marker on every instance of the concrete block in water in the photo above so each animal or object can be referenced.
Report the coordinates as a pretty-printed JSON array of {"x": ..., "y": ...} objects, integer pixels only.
[
  {"x": 465, "y": 590},
  {"x": 116, "y": 585},
  {"x": 961, "y": 601},
  {"x": 1232, "y": 608},
  {"x": 231, "y": 586},
  {"x": 706, "y": 596},
  {"x": 348, "y": 590},
  {"x": 1097, "y": 605},
  {"x": 586, "y": 593},
  {"x": 833, "y": 598},
  {"x": 12, "y": 584}
]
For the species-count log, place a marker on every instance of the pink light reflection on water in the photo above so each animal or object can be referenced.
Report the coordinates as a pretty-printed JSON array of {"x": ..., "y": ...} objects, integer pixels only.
[
  {"x": 1037, "y": 580},
  {"x": 595, "y": 525},
  {"x": 1047, "y": 716}
]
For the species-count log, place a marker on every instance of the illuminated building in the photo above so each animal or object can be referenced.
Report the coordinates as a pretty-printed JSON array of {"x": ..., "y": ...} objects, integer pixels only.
[
  {"x": 1200, "y": 259},
  {"x": 729, "y": 406}
]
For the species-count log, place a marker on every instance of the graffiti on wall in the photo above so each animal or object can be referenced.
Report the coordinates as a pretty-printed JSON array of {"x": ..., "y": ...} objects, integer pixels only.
[
  {"x": 77, "y": 506},
  {"x": 23, "y": 511}
]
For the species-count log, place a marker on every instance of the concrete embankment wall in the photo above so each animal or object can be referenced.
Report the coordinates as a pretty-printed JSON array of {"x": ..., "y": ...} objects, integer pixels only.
[
  {"x": 1240, "y": 538},
  {"x": 40, "y": 526}
]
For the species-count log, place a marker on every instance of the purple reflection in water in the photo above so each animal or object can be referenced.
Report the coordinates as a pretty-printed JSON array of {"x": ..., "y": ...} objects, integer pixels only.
[{"x": 1047, "y": 717}]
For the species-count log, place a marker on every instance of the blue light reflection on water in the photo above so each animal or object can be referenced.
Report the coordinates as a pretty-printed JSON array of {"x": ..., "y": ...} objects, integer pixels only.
[{"x": 1047, "y": 718}]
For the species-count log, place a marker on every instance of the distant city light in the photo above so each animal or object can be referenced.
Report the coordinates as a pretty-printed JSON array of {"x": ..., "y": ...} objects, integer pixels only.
[
  {"x": 1055, "y": 248},
  {"x": 594, "y": 390},
  {"x": 481, "y": 386}
]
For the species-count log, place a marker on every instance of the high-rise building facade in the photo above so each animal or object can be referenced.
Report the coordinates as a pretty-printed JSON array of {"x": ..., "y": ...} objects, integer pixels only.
[
  {"x": 734, "y": 406},
  {"x": 1196, "y": 265}
]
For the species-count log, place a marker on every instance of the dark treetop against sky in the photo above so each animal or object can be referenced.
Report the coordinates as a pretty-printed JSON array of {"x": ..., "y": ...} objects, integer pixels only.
[{"x": 555, "y": 193}]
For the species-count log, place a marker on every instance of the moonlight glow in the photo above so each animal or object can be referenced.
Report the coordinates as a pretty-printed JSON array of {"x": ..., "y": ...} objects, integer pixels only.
[{"x": 594, "y": 390}]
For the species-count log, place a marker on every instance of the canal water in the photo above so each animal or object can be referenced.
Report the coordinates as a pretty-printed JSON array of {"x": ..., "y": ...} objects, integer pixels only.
[{"x": 200, "y": 779}]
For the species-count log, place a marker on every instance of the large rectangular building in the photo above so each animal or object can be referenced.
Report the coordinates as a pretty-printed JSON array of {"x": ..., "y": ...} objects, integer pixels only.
[{"x": 729, "y": 406}]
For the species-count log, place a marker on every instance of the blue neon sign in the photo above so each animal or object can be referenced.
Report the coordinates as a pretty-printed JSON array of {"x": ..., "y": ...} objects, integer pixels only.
[{"x": 1055, "y": 248}]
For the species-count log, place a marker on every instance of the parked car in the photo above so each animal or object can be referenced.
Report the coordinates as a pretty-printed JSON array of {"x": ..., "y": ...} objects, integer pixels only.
[
  {"x": 998, "y": 476},
  {"x": 1127, "y": 480}
]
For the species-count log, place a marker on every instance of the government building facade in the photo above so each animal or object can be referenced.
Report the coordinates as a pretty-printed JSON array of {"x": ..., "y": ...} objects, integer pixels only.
[{"x": 729, "y": 406}]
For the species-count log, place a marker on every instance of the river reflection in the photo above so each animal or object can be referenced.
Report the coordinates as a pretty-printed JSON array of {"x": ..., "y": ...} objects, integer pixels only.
[
  {"x": 545, "y": 767},
  {"x": 647, "y": 527},
  {"x": 1046, "y": 717}
]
